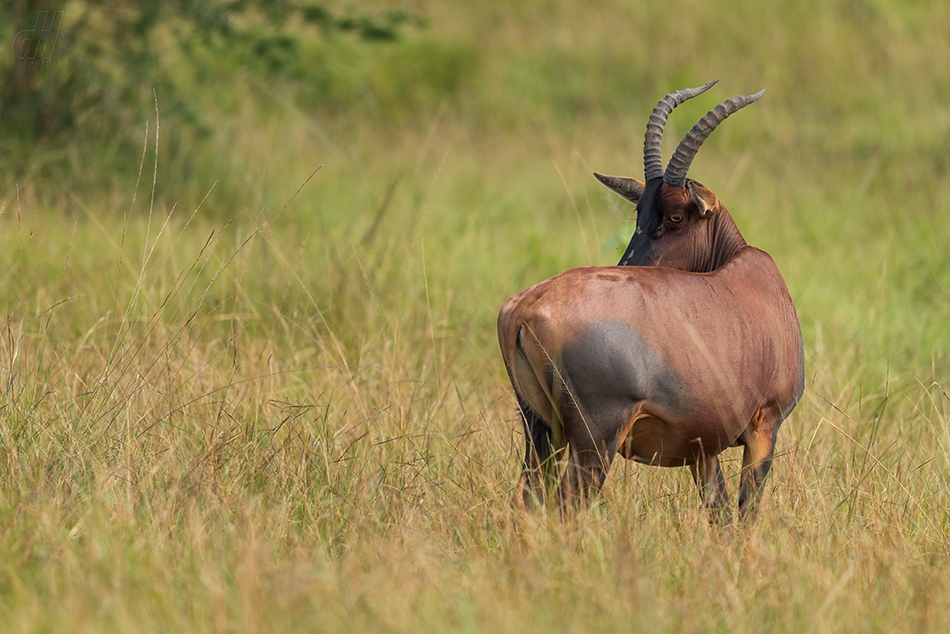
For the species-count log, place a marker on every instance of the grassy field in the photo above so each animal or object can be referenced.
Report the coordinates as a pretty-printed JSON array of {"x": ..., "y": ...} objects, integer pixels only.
[{"x": 227, "y": 407}]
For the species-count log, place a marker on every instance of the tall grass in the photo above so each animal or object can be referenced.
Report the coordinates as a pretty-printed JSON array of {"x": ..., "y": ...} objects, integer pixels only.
[{"x": 224, "y": 411}]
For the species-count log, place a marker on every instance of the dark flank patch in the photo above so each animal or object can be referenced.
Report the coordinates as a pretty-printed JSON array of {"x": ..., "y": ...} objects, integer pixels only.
[{"x": 611, "y": 367}]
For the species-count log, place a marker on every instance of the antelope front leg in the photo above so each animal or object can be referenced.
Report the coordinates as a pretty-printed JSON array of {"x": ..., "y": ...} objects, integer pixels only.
[
  {"x": 707, "y": 473},
  {"x": 759, "y": 441}
]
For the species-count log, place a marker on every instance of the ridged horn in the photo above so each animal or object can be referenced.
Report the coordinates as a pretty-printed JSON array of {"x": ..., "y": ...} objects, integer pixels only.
[
  {"x": 675, "y": 175},
  {"x": 652, "y": 152}
]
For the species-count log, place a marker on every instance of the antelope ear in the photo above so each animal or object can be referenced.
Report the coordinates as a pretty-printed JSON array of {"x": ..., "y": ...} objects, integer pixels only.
[
  {"x": 629, "y": 188},
  {"x": 702, "y": 199}
]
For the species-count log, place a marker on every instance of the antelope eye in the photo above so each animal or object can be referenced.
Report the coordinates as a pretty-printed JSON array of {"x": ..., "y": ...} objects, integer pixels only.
[{"x": 676, "y": 219}]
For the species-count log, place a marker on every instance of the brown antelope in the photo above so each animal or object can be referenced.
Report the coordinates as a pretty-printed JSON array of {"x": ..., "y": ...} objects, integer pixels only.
[{"x": 690, "y": 346}]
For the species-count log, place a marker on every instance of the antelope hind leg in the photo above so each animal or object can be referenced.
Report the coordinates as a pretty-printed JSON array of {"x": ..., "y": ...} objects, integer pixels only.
[
  {"x": 583, "y": 478},
  {"x": 538, "y": 459},
  {"x": 593, "y": 447}
]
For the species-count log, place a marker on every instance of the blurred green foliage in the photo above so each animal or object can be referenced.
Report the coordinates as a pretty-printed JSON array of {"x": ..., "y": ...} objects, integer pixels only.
[{"x": 93, "y": 73}]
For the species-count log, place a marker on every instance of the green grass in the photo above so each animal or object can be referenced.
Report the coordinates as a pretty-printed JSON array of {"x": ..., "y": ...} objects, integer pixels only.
[{"x": 224, "y": 412}]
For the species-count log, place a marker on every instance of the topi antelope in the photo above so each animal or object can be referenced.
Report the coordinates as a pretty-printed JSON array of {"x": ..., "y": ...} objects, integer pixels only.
[{"x": 690, "y": 346}]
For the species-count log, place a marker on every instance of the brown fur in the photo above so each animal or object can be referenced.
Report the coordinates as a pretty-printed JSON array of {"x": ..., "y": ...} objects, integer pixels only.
[{"x": 667, "y": 364}]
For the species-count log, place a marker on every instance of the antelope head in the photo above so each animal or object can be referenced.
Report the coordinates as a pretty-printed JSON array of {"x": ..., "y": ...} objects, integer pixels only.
[{"x": 680, "y": 222}]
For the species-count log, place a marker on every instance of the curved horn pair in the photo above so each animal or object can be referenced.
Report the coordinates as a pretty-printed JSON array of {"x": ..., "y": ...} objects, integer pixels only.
[{"x": 675, "y": 175}]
